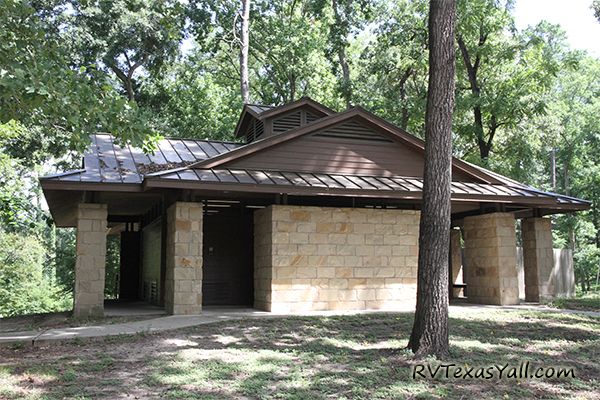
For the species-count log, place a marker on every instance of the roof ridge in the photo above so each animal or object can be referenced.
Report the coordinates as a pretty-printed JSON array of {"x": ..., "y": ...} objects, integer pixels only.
[{"x": 177, "y": 138}]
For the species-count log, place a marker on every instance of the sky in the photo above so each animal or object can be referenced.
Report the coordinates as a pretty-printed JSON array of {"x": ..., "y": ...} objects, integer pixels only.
[{"x": 574, "y": 16}]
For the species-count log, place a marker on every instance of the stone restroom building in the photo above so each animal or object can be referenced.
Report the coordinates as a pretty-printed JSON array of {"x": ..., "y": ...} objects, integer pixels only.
[{"x": 311, "y": 210}]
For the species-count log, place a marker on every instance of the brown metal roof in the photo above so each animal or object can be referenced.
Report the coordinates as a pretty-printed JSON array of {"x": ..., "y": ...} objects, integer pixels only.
[
  {"x": 107, "y": 162},
  {"x": 259, "y": 108},
  {"x": 207, "y": 165},
  {"x": 351, "y": 185}
]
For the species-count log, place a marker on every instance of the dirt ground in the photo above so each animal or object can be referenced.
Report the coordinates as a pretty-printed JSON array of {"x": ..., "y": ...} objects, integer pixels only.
[{"x": 354, "y": 357}]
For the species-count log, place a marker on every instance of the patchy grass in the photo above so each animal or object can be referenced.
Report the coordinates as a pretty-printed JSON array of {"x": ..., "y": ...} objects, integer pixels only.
[
  {"x": 352, "y": 357},
  {"x": 588, "y": 302}
]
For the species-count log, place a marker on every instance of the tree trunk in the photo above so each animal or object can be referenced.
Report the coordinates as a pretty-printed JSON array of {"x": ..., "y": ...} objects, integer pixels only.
[
  {"x": 404, "y": 108},
  {"x": 244, "y": 46},
  {"x": 472, "y": 68},
  {"x": 553, "y": 168},
  {"x": 430, "y": 330},
  {"x": 345, "y": 86}
]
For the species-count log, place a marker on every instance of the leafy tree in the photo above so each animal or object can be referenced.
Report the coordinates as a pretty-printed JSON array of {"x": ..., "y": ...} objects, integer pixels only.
[
  {"x": 394, "y": 66},
  {"x": 126, "y": 37},
  {"x": 42, "y": 89},
  {"x": 502, "y": 73},
  {"x": 575, "y": 107},
  {"x": 24, "y": 288},
  {"x": 193, "y": 99}
]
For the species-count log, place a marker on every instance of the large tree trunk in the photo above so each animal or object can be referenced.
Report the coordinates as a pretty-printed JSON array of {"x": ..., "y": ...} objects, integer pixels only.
[
  {"x": 430, "y": 330},
  {"x": 244, "y": 45}
]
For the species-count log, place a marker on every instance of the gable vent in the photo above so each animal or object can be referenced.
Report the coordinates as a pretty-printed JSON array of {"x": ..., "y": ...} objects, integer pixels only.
[
  {"x": 310, "y": 117},
  {"x": 287, "y": 122},
  {"x": 353, "y": 131},
  {"x": 254, "y": 131}
]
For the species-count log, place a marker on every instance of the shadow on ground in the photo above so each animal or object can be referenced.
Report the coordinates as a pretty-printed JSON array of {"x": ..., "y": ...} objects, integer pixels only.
[{"x": 358, "y": 357}]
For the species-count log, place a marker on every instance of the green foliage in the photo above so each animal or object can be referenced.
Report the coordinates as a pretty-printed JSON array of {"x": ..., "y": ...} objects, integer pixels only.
[
  {"x": 111, "y": 282},
  {"x": 24, "y": 287},
  {"x": 191, "y": 101},
  {"x": 40, "y": 86},
  {"x": 64, "y": 257},
  {"x": 392, "y": 78},
  {"x": 125, "y": 37}
]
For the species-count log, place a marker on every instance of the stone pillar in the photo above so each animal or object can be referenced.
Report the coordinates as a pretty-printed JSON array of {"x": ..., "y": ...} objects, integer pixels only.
[
  {"x": 538, "y": 259},
  {"x": 491, "y": 259},
  {"x": 456, "y": 262},
  {"x": 90, "y": 265},
  {"x": 183, "y": 279}
]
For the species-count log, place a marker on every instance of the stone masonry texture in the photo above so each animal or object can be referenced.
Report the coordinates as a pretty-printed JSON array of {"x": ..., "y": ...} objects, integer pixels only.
[
  {"x": 456, "y": 261},
  {"x": 491, "y": 259},
  {"x": 183, "y": 277},
  {"x": 321, "y": 258},
  {"x": 88, "y": 295},
  {"x": 538, "y": 259}
]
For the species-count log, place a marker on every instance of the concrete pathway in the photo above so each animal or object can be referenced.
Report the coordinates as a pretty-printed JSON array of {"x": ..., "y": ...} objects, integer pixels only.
[{"x": 211, "y": 315}]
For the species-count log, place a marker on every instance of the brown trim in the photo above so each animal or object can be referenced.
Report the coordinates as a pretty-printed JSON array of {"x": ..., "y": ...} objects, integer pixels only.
[
  {"x": 92, "y": 186},
  {"x": 303, "y": 101}
]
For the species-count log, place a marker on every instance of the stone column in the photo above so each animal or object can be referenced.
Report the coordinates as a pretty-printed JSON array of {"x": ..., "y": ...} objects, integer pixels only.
[
  {"x": 491, "y": 259},
  {"x": 183, "y": 280},
  {"x": 456, "y": 262},
  {"x": 90, "y": 265},
  {"x": 538, "y": 259}
]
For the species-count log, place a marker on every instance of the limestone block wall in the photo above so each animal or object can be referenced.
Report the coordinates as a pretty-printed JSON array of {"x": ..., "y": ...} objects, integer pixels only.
[
  {"x": 321, "y": 258},
  {"x": 538, "y": 259},
  {"x": 90, "y": 265},
  {"x": 491, "y": 258},
  {"x": 183, "y": 277}
]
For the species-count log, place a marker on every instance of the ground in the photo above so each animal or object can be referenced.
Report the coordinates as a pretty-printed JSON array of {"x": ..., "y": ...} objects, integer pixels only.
[
  {"x": 355, "y": 357},
  {"x": 583, "y": 301},
  {"x": 41, "y": 322}
]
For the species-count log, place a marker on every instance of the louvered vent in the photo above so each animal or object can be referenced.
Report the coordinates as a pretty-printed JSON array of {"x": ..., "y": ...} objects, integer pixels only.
[
  {"x": 259, "y": 129},
  {"x": 255, "y": 131},
  {"x": 286, "y": 123},
  {"x": 310, "y": 117},
  {"x": 354, "y": 131}
]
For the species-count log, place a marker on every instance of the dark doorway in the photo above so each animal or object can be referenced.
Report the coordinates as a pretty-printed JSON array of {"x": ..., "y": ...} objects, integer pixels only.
[
  {"x": 129, "y": 265},
  {"x": 228, "y": 250}
]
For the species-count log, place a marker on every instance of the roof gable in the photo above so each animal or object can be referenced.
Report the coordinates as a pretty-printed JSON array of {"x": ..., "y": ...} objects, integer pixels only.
[
  {"x": 266, "y": 114},
  {"x": 411, "y": 145}
]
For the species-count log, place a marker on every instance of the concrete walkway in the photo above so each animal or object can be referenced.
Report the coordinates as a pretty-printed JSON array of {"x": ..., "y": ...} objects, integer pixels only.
[{"x": 211, "y": 315}]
